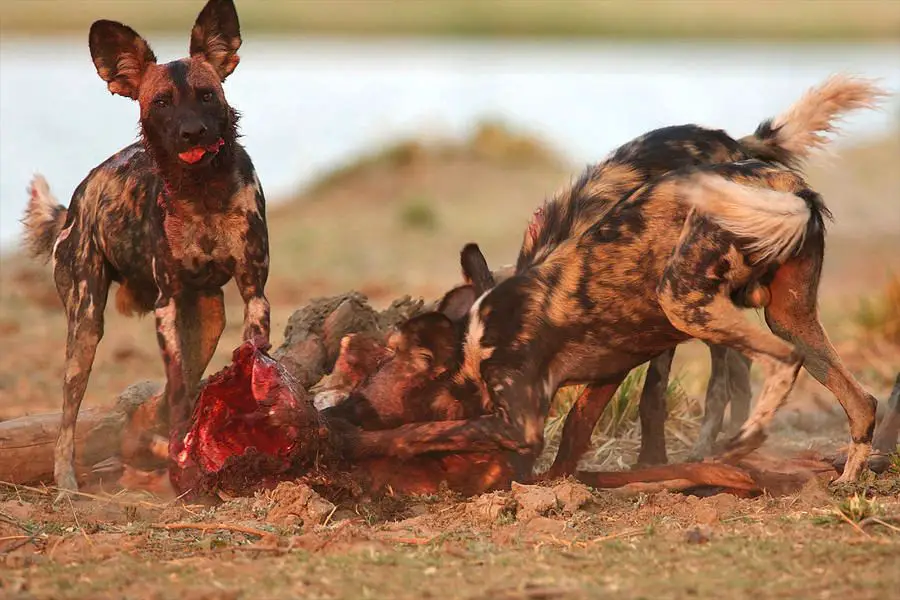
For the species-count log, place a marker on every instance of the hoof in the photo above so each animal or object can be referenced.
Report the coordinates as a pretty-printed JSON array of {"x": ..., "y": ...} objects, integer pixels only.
[{"x": 651, "y": 459}]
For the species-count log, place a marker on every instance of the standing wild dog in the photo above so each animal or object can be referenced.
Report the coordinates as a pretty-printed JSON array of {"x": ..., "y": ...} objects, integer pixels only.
[
  {"x": 785, "y": 140},
  {"x": 629, "y": 266},
  {"x": 171, "y": 218}
]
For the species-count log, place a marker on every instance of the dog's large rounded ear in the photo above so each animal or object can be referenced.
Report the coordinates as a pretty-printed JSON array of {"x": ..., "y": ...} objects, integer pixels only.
[
  {"x": 216, "y": 36},
  {"x": 456, "y": 304},
  {"x": 120, "y": 55},
  {"x": 475, "y": 269}
]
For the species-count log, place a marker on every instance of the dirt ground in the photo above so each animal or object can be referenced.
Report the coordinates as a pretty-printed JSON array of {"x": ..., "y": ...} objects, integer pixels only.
[{"x": 391, "y": 225}]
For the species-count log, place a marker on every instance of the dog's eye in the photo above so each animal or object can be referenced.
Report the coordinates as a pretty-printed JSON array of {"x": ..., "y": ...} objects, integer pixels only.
[
  {"x": 161, "y": 102},
  {"x": 206, "y": 96}
]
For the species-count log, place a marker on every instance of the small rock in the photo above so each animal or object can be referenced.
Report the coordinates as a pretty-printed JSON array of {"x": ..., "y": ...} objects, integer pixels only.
[
  {"x": 572, "y": 495},
  {"x": 292, "y": 502},
  {"x": 534, "y": 500},
  {"x": 706, "y": 514}
]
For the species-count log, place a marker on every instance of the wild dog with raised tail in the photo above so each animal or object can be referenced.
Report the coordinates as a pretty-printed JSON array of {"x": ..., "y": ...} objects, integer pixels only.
[{"x": 788, "y": 140}]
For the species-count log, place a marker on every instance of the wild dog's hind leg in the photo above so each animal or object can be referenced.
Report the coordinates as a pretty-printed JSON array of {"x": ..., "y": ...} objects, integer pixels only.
[
  {"x": 83, "y": 289},
  {"x": 887, "y": 432},
  {"x": 653, "y": 410},
  {"x": 793, "y": 315},
  {"x": 702, "y": 308},
  {"x": 579, "y": 426},
  {"x": 739, "y": 393},
  {"x": 729, "y": 382}
]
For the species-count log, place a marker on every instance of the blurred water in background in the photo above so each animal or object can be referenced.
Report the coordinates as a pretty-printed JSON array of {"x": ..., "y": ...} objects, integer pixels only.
[{"x": 312, "y": 104}]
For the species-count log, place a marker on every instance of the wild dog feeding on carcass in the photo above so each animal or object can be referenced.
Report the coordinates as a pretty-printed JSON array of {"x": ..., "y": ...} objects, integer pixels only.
[
  {"x": 785, "y": 140},
  {"x": 729, "y": 384},
  {"x": 620, "y": 281},
  {"x": 171, "y": 218}
]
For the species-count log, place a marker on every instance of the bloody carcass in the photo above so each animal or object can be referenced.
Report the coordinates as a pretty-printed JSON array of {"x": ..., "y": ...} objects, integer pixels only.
[{"x": 254, "y": 425}]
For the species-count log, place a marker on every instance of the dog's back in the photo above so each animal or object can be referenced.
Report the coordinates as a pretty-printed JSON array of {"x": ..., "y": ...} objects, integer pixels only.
[{"x": 785, "y": 140}]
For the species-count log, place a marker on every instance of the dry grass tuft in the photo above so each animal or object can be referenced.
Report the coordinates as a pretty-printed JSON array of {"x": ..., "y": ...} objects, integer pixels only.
[
  {"x": 874, "y": 350},
  {"x": 617, "y": 436},
  {"x": 880, "y": 316}
]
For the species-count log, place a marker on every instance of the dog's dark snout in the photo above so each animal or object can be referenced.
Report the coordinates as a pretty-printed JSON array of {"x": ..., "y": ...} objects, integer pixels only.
[{"x": 192, "y": 131}]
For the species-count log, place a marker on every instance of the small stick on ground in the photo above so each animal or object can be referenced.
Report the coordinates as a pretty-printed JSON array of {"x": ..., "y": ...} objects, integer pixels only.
[
  {"x": 16, "y": 545},
  {"x": 7, "y": 538},
  {"x": 616, "y": 536},
  {"x": 883, "y": 521},
  {"x": 205, "y": 527},
  {"x": 407, "y": 540},
  {"x": 852, "y": 523}
]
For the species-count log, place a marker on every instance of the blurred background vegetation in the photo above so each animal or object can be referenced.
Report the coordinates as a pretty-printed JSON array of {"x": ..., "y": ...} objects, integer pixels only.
[{"x": 793, "y": 20}]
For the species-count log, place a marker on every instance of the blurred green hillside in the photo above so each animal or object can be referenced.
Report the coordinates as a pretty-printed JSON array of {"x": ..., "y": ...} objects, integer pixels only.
[{"x": 804, "y": 20}]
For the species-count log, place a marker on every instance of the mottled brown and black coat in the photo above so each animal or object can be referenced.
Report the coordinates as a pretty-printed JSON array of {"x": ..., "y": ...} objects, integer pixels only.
[
  {"x": 650, "y": 248},
  {"x": 171, "y": 218}
]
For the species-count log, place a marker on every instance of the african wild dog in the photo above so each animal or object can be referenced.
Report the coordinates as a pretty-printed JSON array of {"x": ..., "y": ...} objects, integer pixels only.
[
  {"x": 629, "y": 266},
  {"x": 171, "y": 218},
  {"x": 729, "y": 384},
  {"x": 785, "y": 140}
]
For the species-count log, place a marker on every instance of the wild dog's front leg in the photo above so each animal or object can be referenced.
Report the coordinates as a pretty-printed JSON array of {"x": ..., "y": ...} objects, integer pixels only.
[
  {"x": 579, "y": 426},
  {"x": 654, "y": 410},
  {"x": 177, "y": 404},
  {"x": 251, "y": 279}
]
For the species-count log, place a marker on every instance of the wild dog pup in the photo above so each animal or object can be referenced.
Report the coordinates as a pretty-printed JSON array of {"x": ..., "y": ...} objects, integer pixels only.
[
  {"x": 627, "y": 274},
  {"x": 171, "y": 218}
]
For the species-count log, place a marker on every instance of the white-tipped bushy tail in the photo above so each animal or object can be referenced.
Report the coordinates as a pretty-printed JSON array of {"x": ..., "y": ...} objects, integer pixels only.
[
  {"x": 44, "y": 218},
  {"x": 790, "y": 137},
  {"x": 776, "y": 222}
]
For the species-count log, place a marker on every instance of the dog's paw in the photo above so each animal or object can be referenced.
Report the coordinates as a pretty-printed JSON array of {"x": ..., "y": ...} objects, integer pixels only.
[
  {"x": 67, "y": 490},
  {"x": 261, "y": 343}
]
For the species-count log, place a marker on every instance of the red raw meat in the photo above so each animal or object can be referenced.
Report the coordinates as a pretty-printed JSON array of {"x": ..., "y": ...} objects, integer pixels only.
[{"x": 252, "y": 425}]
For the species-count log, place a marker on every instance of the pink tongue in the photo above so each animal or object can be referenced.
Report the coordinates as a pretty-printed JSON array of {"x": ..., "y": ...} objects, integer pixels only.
[{"x": 193, "y": 155}]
